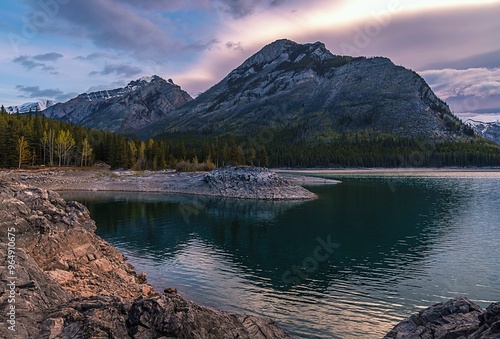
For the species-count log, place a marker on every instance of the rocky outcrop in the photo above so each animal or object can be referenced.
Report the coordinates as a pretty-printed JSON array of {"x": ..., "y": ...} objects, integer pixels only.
[
  {"x": 166, "y": 316},
  {"x": 62, "y": 281},
  {"x": 251, "y": 183},
  {"x": 456, "y": 318}
]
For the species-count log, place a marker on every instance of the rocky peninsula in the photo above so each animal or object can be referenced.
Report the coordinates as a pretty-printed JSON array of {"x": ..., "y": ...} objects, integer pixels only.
[
  {"x": 60, "y": 280},
  {"x": 229, "y": 182}
]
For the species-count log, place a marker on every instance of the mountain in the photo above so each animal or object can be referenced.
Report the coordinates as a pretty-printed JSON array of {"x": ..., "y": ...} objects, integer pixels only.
[
  {"x": 41, "y": 104},
  {"x": 488, "y": 130},
  {"x": 306, "y": 88},
  {"x": 139, "y": 104}
]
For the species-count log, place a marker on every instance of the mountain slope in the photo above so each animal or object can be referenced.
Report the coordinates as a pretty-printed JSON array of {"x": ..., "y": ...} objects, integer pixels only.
[
  {"x": 289, "y": 85},
  {"x": 123, "y": 110},
  {"x": 41, "y": 104}
]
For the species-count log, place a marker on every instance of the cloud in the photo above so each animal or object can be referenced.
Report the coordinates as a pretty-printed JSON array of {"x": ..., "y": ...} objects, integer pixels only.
[
  {"x": 241, "y": 8},
  {"x": 118, "y": 69},
  {"x": 236, "y": 46},
  {"x": 200, "y": 45},
  {"x": 235, "y": 8},
  {"x": 36, "y": 92},
  {"x": 110, "y": 24},
  {"x": 469, "y": 90},
  {"x": 27, "y": 62},
  {"x": 152, "y": 29},
  {"x": 32, "y": 62},
  {"x": 113, "y": 85},
  {"x": 91, "y": 56},
  {"x": 53, "y": 56},
  {"x": 487, "y": 60}
]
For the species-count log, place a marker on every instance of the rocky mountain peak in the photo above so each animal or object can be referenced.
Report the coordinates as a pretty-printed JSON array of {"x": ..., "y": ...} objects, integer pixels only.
[
  {"x": 305, "y": 87},
  {"x": 140, "y": 103},
  {"x": 149, "y": 80},
  {"x": 285, "y": 50},
  {"x": 488, "y": 130},
  {"x": 40, "y": 104}
]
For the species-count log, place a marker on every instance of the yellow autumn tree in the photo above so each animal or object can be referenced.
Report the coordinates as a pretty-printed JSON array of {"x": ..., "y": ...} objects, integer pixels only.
[{"x": 23, "y": 151}]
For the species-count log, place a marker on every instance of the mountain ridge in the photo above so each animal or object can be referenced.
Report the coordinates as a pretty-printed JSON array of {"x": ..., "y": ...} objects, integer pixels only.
[
  {"x": 488, "y": 130},
  {"x": 286, "y": 84},
  {"x": 125, "y": 109},
  {"x": 283, "y": 86},
  {"x": 40, "y": 104}
]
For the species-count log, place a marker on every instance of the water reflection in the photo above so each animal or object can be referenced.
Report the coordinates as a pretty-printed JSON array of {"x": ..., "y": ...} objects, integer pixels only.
[{"x": 401, "y": 242}]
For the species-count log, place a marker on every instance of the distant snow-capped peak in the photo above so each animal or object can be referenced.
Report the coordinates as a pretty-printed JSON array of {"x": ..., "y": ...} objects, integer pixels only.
[{"x": 41, "y": 104}]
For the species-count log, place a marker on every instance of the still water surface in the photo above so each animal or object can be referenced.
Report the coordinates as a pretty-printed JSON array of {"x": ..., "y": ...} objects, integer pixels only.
[{"x": 371, "y": 251}]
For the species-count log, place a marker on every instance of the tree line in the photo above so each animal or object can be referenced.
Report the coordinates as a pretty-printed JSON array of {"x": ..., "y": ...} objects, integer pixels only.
[
  {"x": 31, "y": 139},
  {"x": 34, "y": 140}
]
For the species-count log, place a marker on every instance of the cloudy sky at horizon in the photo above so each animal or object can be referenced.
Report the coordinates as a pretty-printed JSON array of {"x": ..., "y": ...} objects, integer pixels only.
[{"x": 59, "y": 48}]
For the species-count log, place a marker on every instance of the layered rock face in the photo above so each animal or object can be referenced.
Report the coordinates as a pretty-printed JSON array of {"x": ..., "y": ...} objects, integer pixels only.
[
  {"x": 61, "y": 280},
  {"x": 456, "y": 318}
]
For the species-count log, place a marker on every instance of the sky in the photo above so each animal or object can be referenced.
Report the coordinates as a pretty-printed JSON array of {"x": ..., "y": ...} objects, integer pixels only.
[{"x": 57, "y": 49}]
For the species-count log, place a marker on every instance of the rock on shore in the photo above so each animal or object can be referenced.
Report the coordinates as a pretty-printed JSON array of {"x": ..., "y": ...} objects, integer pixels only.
[
  {"x": 69, "y": 283},
  {"x": 456, "y": 318}
]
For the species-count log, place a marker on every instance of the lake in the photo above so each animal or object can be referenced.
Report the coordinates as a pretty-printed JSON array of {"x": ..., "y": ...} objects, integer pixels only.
[{"x": 365, "y": 255}]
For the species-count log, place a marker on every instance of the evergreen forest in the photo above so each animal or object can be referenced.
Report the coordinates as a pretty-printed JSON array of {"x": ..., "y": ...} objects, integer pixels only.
[{"x": 32, "y": 140}]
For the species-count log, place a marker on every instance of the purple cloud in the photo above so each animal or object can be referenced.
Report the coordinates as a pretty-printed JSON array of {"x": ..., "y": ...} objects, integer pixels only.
[
  {"x": 32, "y": 62},
  {"x": 118, "y": 69}
]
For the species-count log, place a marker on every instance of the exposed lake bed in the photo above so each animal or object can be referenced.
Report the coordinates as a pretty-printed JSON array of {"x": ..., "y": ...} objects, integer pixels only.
[
  {"x": 242, "y": 182},
  {"x": 403, "y": 241}
]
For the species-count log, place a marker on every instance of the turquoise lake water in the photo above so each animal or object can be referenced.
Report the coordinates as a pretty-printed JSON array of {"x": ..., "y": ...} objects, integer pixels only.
[{"x": 366, "y": 254}]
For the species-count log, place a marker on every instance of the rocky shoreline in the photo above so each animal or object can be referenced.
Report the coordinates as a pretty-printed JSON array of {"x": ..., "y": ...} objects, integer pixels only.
[
  {"x": 60, "y": 280},
  {"x": 456, "y": 318},
  {"x": 229, "y": 182}
]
